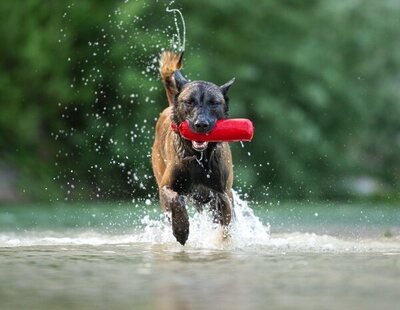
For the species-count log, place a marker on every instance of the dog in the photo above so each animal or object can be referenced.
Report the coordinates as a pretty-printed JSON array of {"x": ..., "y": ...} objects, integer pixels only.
[{"x": 199, "y": 171}]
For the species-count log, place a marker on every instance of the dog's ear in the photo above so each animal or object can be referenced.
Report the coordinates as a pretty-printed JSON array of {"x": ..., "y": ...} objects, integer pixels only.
[
  {"x": 180, "y": 80},
  {"x": 224, "y": 88}
]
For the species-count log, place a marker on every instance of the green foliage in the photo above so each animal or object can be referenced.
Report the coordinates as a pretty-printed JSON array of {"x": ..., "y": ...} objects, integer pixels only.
[{"x": 80, "y": 92}]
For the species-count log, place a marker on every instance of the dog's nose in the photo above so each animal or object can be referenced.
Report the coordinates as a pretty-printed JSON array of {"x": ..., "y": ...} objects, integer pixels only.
[{"x": 201, "y": 125}]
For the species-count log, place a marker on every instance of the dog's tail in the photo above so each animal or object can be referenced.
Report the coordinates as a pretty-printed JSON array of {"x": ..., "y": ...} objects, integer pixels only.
[{"x": 169, "y": 63}]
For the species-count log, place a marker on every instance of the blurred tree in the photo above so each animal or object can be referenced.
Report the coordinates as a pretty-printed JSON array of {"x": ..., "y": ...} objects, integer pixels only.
[
  {"x": 80, "y": 92},
  {"x": 315, "y": 76}
]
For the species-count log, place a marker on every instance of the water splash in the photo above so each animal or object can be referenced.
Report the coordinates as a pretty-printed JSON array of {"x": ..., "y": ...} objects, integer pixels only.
[
  {"x": 247, "y": 229},
  {"x": 181, "y": 41},
  {"x": 118, "y": 73}
]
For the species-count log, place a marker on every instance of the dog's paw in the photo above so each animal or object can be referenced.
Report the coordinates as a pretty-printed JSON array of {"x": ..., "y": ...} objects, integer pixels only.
[{"x": 180, "y": 221}]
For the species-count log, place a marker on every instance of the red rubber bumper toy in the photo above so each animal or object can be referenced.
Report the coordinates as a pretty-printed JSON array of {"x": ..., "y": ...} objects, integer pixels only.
[{"x": 227, "y": 130}]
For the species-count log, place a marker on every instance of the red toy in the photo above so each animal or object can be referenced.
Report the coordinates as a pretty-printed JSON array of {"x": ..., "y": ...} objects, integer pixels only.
[{"x": 226, "y": 130}]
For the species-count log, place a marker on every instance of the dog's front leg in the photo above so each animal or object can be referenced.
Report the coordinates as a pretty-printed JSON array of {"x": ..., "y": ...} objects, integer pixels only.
[
  {"x": 221, "y": 207},
  {"x": 174, "y": 204}
]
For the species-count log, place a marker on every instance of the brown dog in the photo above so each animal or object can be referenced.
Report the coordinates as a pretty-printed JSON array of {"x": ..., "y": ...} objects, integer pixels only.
[{"x": 200, "y": 171}]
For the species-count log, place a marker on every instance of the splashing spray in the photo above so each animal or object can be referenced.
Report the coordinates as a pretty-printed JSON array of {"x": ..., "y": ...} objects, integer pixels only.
[{"x": 181, "y": 41}]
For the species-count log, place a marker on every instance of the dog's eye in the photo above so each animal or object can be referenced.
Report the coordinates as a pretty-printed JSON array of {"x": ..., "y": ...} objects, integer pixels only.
[
  {"x": 213, "y": 103},
  {"x": 189, "y": 102}
]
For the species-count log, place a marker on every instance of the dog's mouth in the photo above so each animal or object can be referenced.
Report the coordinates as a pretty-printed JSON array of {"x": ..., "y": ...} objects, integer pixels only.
[{"x": 199, "y": 146}]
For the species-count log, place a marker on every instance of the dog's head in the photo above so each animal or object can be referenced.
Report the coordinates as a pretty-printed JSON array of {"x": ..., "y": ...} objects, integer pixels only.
[{"x": 201, "y": 103}]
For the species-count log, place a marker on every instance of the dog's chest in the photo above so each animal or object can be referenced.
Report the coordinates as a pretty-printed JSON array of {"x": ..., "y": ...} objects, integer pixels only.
[
  {"x": 208, "y": 174},
  {"x": 205, "y": 173}
]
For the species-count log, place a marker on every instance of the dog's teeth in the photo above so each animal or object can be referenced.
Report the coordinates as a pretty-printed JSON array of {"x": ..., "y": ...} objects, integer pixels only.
[{"x": 199, "y": 145}]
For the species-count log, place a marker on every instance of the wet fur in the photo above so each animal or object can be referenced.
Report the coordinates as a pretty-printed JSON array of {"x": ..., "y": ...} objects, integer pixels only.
[{"x": 177, "y": 167}]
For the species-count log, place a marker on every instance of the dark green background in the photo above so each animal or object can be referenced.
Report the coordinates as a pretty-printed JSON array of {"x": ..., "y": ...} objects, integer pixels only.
[{"x": 80, "y": 94}]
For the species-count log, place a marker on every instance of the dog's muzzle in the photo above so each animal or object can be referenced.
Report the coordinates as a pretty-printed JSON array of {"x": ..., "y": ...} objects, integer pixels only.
[{"x": 199, "y": 146}]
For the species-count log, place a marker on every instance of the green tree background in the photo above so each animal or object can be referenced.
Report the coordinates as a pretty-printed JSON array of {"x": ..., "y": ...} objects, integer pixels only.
[{"x": 320, "y": 80}]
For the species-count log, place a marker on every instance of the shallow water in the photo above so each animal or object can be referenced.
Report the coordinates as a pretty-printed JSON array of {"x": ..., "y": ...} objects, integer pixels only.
[{"x": 125, "y": 257}]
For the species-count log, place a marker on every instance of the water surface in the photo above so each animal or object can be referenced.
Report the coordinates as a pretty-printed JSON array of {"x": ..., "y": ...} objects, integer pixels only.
[{"x": 124, "y": 257}]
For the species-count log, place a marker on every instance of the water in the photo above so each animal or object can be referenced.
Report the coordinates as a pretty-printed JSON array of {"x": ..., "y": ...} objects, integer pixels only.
[
  {"x": 117, "y": 70},
  {"x": 181, "y": 42},
  {"x": 125, "y": 257}
]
